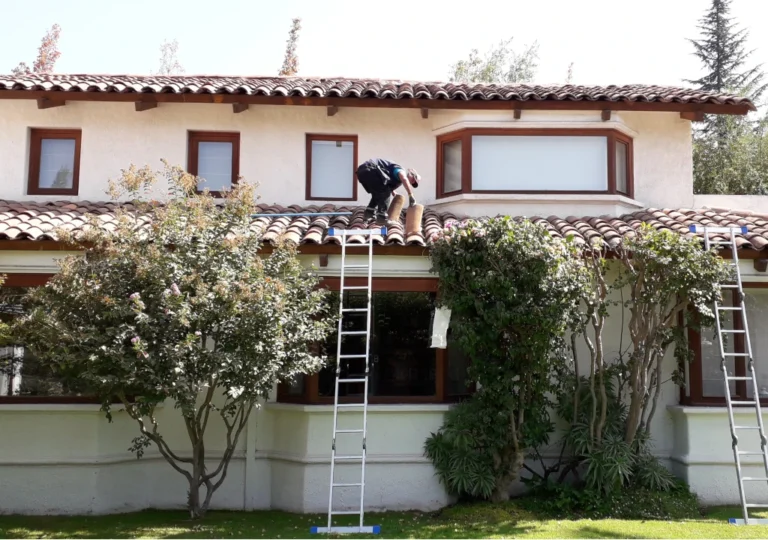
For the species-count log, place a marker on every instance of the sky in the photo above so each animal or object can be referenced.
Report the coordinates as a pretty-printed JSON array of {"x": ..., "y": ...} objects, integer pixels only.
[{"x": 609, "y": 42}]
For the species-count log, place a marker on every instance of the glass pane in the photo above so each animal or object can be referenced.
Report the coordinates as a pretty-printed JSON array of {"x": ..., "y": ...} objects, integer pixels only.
[
  {"x": 712, "y": 376},
  {"x": 451, "y": 166},
  {"x": 549, "y": 163},
  {"x": 214, "y": 165},
  {"x": 621, "y": 167},
  {"x": 757, "y": 315},
  {"x": 332, "y": 174},
  {"x": 296, "y": 387},
  {"x": 402, "y": 363},
  {"x": 21, "y": 374},
  {"x": 57, "y": 163},
  {"x": 458, "y": 364}
]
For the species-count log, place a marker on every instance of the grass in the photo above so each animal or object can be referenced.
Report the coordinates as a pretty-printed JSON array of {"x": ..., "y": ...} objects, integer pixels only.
[{"x": 463, "y": 521}]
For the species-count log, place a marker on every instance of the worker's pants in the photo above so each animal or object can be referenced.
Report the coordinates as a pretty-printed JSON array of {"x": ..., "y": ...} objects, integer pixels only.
[{"x": 374, "y": 181}]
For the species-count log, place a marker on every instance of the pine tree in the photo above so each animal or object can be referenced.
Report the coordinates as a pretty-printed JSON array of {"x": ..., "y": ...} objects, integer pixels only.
[{"x": 291, "y": 60}]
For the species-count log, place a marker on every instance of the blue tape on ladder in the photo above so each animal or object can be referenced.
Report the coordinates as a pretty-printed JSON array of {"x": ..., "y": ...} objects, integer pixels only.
[
  {"x": 732, "y": 521},
  {"x": 384, "y": 231},
  {"x": 331, "y": 231},
  {"x": 692, "y": 228},
  {"x": 744, "y": 230},
  {"x": 313, "y": 530},
  {"x": 376, "y": 529}
]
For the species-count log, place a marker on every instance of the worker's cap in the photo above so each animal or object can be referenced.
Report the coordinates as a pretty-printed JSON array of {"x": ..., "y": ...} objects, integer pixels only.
[{"x": 414, "y": 177}]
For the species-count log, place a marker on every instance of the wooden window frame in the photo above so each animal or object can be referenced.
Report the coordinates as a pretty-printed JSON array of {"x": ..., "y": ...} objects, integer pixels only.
[
  {"x": 35, "y": 152},
  {"x": 194, "y": 138},
  {"x": 311, "y": 396},
  {"x": 695, "y": 381},
  {"x": 330, "y": 137},
  {"x": 465, "y": 136}
]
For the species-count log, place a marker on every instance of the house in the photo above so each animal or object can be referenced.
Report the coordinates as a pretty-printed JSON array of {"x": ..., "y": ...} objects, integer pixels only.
[{"x": 591, "y": 161}]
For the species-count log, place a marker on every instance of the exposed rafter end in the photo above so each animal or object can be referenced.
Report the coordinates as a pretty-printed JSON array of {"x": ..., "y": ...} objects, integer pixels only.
[
  {"x": 45, "y": 103},
  {"x": 605, "y": 115},
  {"x": 695, "y": 116},
  {"x": 145, "y": 105},
  {"x": 323, "y": 260},
  {"x": 332, "y": 110},
  {"x": 517, "y": 114},
  {"x": 761, "y": 265},
  {"x": 239, "y": 107},
  {"x": 424, "y": 113}
]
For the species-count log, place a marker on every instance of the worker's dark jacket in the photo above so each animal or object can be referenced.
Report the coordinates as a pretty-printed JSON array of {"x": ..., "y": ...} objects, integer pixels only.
[{"x": 377, "y": 175}]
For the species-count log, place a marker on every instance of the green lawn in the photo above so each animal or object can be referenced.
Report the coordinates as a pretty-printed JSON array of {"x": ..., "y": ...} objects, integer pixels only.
[{"x": 470, "y": 521}]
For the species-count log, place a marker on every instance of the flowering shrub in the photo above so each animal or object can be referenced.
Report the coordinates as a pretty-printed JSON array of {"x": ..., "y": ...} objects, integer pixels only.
[{"x": 177, "y": 303}]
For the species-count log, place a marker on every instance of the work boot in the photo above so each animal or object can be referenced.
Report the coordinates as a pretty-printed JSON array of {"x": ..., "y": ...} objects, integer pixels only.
[{"x": 368, "y": 215}]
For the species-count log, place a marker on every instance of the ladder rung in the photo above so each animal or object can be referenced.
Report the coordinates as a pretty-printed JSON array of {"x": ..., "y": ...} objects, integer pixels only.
[
  {"x": 735, "y": 354},
  {"x": 743, "y": 403},
  {"x": 350, "y": 431},
  {"x": 346, "y": 512},
  {"x": 739, "y": 378},
  {"x": 354, "y": 332},
  {"x": 347, "y": 458},
  {"x": 343, "y": 356},
  {"x": 354, "y": 310},
  {"x": 754, "y": 479},
  {"x": 355, "y": 266},
  {"x": 756, "y": 505},
  {"x": 728, "y": 308},
  {"x": 728, "y": 286},
  {"x": 731, "y": 331},
  {"x": 352, "y": 380},
  {"x": 357, "y": 484},
  {"x": 747, "y": 427},
  {"x": 355, "y": 288},
  {"x": 749, "y": 453},
  {"x": 350, "y": 232},
  {"x": 350, "y": 404}
]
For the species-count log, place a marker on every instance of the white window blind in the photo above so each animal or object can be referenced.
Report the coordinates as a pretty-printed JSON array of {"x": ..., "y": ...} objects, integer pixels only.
[
  {"x": 621, "y": 167},
  {"x": 451, "y": 166},
  {"x": 332, "y": 171},
  {"x": 57, "y": 163},
  {"x": 214, "y": 165},
  {"x": 541, "y": 163}
]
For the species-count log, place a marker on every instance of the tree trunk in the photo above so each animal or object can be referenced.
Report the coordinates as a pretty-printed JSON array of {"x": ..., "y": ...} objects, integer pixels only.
[
  {"x": 193, "y": 503},
  {"x": 503, "y": 484}
]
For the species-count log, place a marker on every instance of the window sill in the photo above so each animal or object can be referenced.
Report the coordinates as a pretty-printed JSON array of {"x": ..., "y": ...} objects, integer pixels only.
[
  {"x": 7, "y": 406},
  {"x": 700, "y": 410},
  {"x": 378, "y": 408},
  {"x": 483, "y": 204}
]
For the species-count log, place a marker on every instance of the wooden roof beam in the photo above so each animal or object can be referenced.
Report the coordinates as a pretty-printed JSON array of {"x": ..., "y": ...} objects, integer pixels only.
[
  {"x": 145, "y": 105},
  {"x": 693, "y": 116},
  {"x": 239, "y": 107},
  {"x": 47, "y": 103}
]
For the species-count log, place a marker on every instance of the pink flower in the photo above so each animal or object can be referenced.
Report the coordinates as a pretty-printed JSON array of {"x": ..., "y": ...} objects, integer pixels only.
[
  {"x": 134, "y": 296},
  {"x": 175, "y": 289},
  {"x": 135, "y": 339}
]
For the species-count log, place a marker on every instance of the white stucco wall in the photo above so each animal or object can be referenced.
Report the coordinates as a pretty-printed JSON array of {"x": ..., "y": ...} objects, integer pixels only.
[
  {"x": 273, "y": 152},
  {"x": 753, "y": 203}
]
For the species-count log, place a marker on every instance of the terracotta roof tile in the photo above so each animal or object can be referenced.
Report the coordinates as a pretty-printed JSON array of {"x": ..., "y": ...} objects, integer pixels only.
[
  {"x": 37, "y": 220},
  {"x": 340, "y": 87}
]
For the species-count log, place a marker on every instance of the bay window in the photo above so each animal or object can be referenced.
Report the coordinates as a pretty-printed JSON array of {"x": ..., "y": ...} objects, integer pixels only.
[{"x": 534, "y": 161}]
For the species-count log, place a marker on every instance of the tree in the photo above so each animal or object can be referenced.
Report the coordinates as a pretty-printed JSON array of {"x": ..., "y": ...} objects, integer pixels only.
[
  {"x": 169, "y": 59},
  {"x": 501, "y": 64},
  {"x": 291, "y": 60},
  {"x": 569, "y": 74},
  {"x": 513, "y": 290},
  {"x": 47, "y": 55},
  {"x": 178, "y": 303}
]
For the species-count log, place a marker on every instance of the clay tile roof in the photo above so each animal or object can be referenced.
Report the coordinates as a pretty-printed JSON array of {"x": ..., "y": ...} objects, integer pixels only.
[
  {"x": 36, "y": 220},
  {"x": 348, "y": 88}
]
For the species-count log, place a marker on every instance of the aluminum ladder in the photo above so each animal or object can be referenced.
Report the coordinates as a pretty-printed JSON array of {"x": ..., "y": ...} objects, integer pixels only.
[
  {"x": 351, "y": 407},
  {"x": 738, "y": 311}
]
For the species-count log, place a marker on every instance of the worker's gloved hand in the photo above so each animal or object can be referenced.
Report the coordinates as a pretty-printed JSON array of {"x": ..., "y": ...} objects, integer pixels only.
[{"x": 411, "y": 200}]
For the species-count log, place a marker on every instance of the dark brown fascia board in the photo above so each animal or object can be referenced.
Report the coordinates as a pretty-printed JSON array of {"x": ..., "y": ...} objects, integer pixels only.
[{"x": 707, "y": 108}]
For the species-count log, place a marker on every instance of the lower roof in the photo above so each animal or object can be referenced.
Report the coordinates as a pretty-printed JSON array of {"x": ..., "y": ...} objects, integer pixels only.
[{"x": 34, "y": 221}]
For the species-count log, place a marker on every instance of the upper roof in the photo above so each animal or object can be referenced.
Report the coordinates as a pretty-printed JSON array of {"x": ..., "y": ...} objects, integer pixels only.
[
  {"x": 36, "y": 221},
  {"x": 351, "y": 92}
]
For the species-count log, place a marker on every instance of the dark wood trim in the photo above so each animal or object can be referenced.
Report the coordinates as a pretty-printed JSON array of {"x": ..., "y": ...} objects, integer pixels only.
[
  {"x": 466, "y": 134},
  {"x": 332, "y": 110},
  {"x": 384, "y": 284},
  {"x": 761, "y": 265},
  {"x": 694, "y": 116},
  {"x": 26, "y": 280},
  {"x": 238, "y": 108},
  {"x": 52, "y": 400},
  {"x": 424, "y": 113},
  {"x": 330, "y": 137},
  {"x": 193, "y": 145},
  {"x": 35, "y": 150},
  {"x": 142, "y": 105},
  {"x": 46, "y": 103},
  {"x": 405, "y": 103},
  {"x": 605, "y": 115},
  {"x": 517, "y": 114}
]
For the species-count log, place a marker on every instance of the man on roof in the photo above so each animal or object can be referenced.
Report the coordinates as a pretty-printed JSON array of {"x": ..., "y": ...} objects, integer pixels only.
[{"x": 381, "y": 178}]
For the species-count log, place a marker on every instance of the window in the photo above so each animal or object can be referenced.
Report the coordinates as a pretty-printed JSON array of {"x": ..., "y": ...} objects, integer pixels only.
[
  {"x": 705, "y": 379},
  {"x": 215, "y": 158},
  {"x": 22, "y": 378},
  {"x": 534, "y": 161},
  {"x": 54, "y": 162},
  {"x": 404, "y": 368},
  {"x": 331, "y": 166}
]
